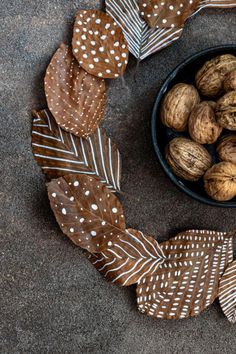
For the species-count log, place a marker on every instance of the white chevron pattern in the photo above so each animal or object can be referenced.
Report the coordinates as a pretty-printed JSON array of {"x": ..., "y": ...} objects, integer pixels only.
[
  {"x": 59, "y": 152},
  {"x": 129, "y": 258},
  {"x": 143, "y": 40}
]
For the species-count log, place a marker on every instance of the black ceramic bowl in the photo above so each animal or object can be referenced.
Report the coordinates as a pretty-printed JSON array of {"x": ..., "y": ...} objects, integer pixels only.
[{"x": 161, "y": 135}]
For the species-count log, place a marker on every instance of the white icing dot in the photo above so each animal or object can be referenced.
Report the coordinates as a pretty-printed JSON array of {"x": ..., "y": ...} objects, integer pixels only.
[
  {"x": 107, "y": 60},
  {"x": 84, "y": 37},
  {"x": 107, "y": 26},
  {"x": 112, "y": 51},
  {"x": 77, "y": 30},
  {"x": 87, "y": 193},
  {"x": 54, "y": 195},
  {"x": 91, "y": 66},
  {"x": 101, "y": 49},
  {"x": 103, "y": 37},
  {"x": 164, "y": 20},
  {"x": 63, "y": 210},
  {"x": 93, "y": 52},
  {"x": 76, "y": 183},
  {"x": 81, "y": 220},
  {"x": 109, "y": 243},
  {"x": 72, "y": 199},
  {"x": 123, "y": 55},
  {"x": 94, "y": 206},
  {"x": 108, "y": 71},
  {"x": 114, "y": 210},
  {"x": 93, "y": 43},
  {"x": 83, "y": 47},
  {"x": 103, "y": 223},
  {"x": 85, "y": 56},
  {"x": 116, "y": 44},
  {"x": 93, "y": 233},
  {"x": 178, "y": 12},
  {"x": 80, "y": 23},
  {"x": 72, "y": 229},
  {"x": 96, "y": 60},
  {"x": 76, "y": 50},
  {"x": 171, "y": 7},
  {"x": 99, "y": 74},
  {"x": 98, "y": 21}
]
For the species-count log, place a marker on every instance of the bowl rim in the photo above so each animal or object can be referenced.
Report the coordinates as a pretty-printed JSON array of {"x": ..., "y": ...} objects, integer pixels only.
[{"x": 154, "y": 120}]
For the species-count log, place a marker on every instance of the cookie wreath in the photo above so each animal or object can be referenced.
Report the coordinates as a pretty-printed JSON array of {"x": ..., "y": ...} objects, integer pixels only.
[{"x": 175, "y": 279}]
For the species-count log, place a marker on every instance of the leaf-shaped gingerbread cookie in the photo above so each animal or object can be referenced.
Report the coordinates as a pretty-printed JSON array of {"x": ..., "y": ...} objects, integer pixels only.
[
  {"x": 227, "y": 292},
  {"x": 188, "y": 280},
  {"x": 167, "y": 13},
  {"x": 60, "y": 153},
  {"x": 87, "y": 212},
  {"x": 75, "y": 98},
  {"x": 129, "y": 258},
  {"x": 99, "y": 44}
]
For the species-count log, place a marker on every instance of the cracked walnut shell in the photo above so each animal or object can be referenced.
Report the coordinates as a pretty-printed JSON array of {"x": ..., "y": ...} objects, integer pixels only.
[
  {"x": 226, "y": 148},
  {"x": 220, "y": 181},
  {"x": 210, "y": 78},
  {"x": 187, "y": 159},
  {"x": 202, "y": 125},
  {"x": 177, "y": 106},
  {"x": 226, "y": 111}
]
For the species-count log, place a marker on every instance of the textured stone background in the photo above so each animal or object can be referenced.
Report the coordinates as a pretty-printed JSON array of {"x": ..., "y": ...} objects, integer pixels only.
[{"x": 53, "y": 300}]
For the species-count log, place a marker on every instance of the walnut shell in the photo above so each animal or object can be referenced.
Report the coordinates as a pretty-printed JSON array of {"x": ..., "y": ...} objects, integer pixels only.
[
  {"x": 202, "y": 125},
  {"x": 226, "y": 148},
  {"x": 230, "y": 81},
  {"x": 177, "y": 106},
  {"x": 210, "y": 78},
  {"x": 220, "y": 181},
  {"x": 188, "y": 159},
  {"x": 226, "y": 111}
]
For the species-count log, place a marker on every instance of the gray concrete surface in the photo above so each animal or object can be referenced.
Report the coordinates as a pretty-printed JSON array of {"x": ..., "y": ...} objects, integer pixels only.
[{"x": 52, "y": 300}]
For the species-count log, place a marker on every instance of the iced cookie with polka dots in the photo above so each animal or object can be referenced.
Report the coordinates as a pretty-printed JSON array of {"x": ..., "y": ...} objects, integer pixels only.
[
  {"x": 87, "y": 212},
  {"x": 75, "y": 98},
  {"x": 99, "y": 44},
  {"x": 167, "y": 13}
]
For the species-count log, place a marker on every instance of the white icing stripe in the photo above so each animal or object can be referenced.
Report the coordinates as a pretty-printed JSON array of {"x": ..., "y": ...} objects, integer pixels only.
[
  {"x": 127, "y": 272},
  {"x": 59, "y": 159},
  {"x": 132, "y": 246},
  {"x": 141, "y": 243},
  {"x": 115, "y": 269},
  {"x": 123, "y": 250},
  {"x": 52, "y": 148}
]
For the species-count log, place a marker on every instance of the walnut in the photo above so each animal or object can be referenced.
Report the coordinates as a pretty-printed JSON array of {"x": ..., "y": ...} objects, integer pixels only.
[
  {"x": 226, "y": 148},
  {"x": 226, "y": 111},
  {"x": 210, "y": 78},
  {"x": 177, "y": 106},
  {"x": 220, "y": 181},
  {"x": 230, "y": 81},
  {"x": 188, "y": 159},
  {"x": 202, "y": 125}
]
